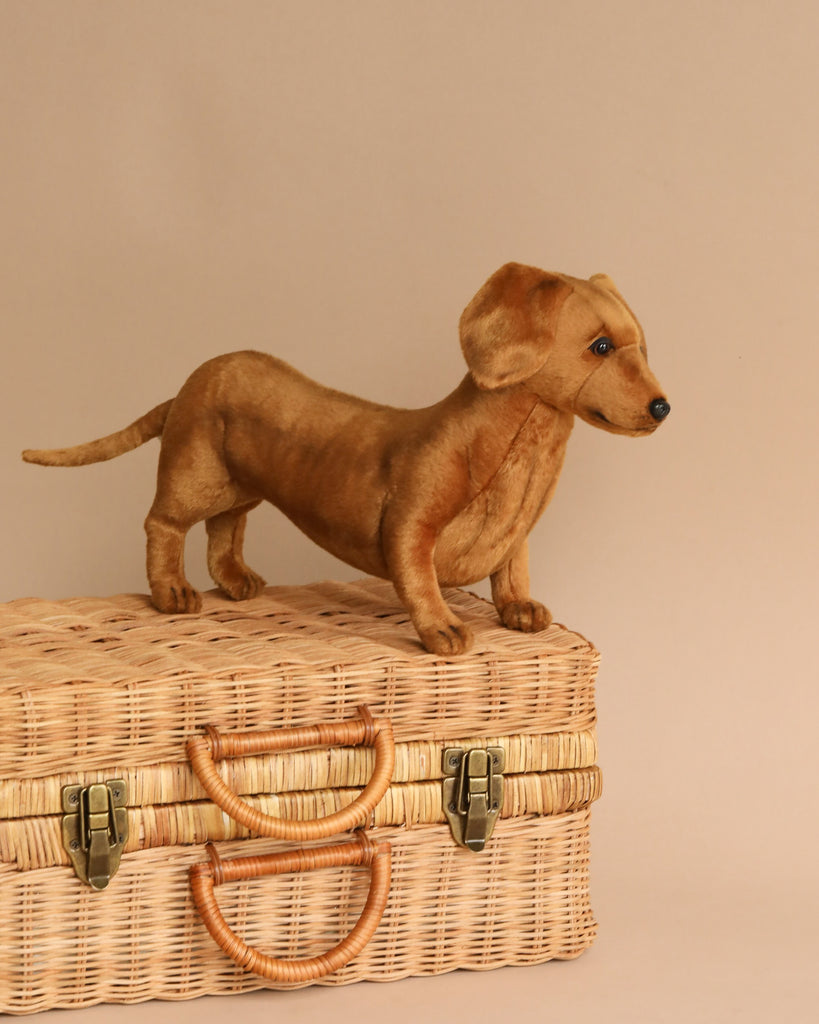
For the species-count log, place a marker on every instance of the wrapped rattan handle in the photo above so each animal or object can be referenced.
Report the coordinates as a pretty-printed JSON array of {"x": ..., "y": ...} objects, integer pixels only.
[
  {"x": 204, "y": 877},
  {"x": 204, "y": 750}
]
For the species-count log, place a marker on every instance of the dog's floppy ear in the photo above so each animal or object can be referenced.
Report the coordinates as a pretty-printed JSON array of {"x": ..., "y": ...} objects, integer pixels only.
[
  {"x": 507, "y": 328},
  {"x": 605, "y": 282}
]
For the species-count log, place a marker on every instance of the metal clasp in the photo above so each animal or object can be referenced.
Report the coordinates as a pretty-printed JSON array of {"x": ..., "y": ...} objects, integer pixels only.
[
  {"x": 473, "y": 793},
  {"x": 95, "y": 829}
]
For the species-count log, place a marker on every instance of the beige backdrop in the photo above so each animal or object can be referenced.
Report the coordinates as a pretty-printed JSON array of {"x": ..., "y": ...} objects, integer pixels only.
[{"x": 332, "y": 182}]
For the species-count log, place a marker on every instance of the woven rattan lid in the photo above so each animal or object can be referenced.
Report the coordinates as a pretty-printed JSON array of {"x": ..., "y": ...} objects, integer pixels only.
[{"x": 93, "y": 682}]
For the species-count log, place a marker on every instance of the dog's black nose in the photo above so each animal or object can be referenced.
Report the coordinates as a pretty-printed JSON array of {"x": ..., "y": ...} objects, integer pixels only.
[{"x": 659, "y": 409}]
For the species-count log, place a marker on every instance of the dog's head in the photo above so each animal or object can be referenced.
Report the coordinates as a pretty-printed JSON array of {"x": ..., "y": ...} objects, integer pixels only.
[{"x": 574, "y": 343}]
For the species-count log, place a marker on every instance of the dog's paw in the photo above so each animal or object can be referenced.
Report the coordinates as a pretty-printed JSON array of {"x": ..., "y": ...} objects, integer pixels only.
[
  {"x": 241, "y": 586},
  {"x": 447, "y": 639},
  {"x": 527, "y": 616},
  {"x": 175, "y": 598}
]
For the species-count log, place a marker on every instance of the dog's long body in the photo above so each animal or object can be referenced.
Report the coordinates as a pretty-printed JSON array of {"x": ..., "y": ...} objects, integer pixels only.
[{"x": 445, "y": 495}]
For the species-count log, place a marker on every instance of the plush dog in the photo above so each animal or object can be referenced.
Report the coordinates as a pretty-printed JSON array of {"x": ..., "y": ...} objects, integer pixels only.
[{"x": 442, "y": 496}]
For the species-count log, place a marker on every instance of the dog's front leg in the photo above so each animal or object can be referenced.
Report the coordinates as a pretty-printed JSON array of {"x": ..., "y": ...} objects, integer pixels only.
[
  {"x": 510, "y": 594},
  {"x": 409, "y": 551}
]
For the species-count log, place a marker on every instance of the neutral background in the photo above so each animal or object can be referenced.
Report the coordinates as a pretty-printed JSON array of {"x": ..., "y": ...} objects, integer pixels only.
[{"x": 332, "y": 182}]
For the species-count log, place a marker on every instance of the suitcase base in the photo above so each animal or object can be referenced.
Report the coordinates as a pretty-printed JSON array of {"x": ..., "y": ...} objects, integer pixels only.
[{"x": 524, "y": 900}]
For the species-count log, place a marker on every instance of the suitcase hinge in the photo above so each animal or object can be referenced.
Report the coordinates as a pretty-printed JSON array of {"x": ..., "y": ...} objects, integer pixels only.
[
  {"x": 95, "y": 828},
  {"x": 473, "y": 793}
]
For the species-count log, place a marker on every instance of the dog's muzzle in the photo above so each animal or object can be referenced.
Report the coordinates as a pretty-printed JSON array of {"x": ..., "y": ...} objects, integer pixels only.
[{"x": 659, "y": 409}]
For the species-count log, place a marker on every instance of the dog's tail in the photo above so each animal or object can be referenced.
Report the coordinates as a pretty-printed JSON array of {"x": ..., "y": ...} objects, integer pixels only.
[{"x": 142, "y": 430}]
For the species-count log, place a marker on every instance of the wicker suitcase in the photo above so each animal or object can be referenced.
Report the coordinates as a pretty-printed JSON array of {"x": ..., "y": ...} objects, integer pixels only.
[{"x": 168, "y": 785}]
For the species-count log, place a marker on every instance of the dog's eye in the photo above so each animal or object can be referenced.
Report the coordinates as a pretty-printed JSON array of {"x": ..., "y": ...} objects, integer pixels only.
[{"x": 602, "y": 346}]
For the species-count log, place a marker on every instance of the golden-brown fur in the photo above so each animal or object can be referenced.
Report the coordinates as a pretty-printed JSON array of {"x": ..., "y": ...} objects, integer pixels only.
[{"x": 429, "y": 497}]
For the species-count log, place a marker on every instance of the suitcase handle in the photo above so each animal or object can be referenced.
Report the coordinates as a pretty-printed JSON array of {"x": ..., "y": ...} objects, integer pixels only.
[
  {"x": 204, "y": 750},
  {"x": 205, "y": 876}
]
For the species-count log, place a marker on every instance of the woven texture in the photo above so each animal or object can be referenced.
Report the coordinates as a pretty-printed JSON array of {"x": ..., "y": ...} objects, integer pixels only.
[
  {"x": 95, "y": 689},
  {"x": 524, "y": 900},
  {"x": 292, "y": 657},
  {"x": 27, "y": 844},
  {"x": 417, "y": 761}
]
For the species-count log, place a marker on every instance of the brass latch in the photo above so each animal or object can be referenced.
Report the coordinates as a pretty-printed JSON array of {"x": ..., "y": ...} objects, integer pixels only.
[
  {"x": 95, "y": 828},
  {"x": 473, "y": 793}
]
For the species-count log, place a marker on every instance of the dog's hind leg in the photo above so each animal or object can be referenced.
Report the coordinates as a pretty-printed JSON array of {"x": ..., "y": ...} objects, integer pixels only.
[
  {"x": 192, "y": 485},
  {"x": 226, "y": 565},
  {"x": 510, "y": 595},
  {"x": 170, "y": 591}
]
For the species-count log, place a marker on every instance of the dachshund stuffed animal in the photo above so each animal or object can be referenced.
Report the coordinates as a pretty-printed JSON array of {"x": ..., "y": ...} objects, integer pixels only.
[{"x": 442, "y": 496}]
